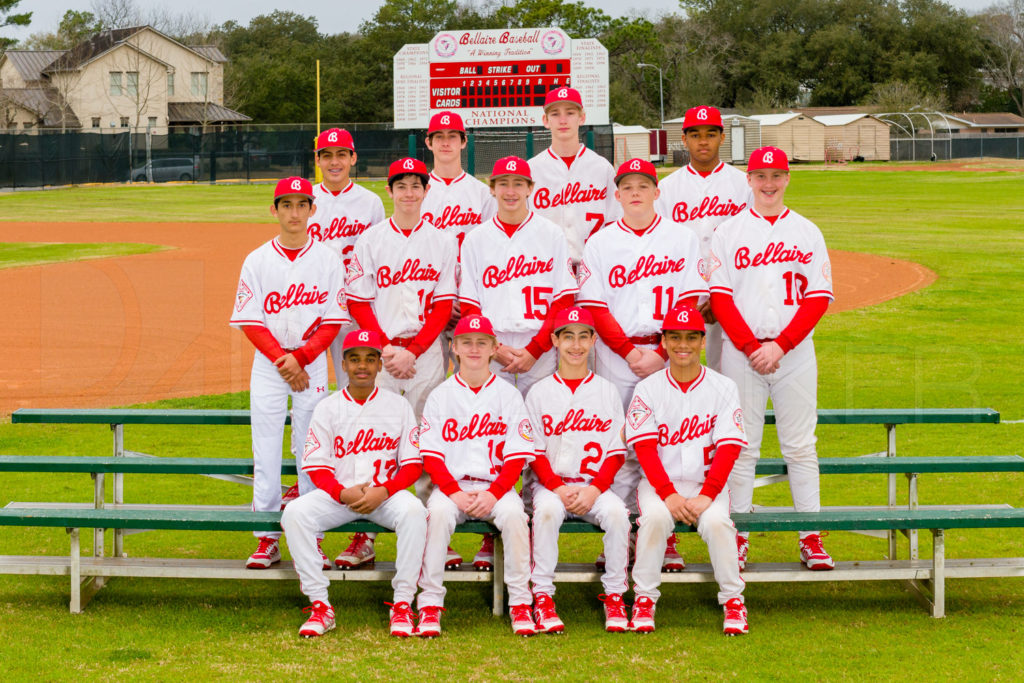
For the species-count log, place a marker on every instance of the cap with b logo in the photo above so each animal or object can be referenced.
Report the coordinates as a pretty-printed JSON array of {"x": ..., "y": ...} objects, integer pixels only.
[
  {"x": 683, "y": 317},
  {"x": 409, "y": 165},
  {"x": 563, "y": 94},
  {"x": 511, "y": 166},
  {"x": 445, "y": 120},
  {"x": 293, "y": 185},
  {"x": 702, "y": 116},
  {"x": 574, "y": 315},
  {"x": 641, "y": 166},
  {"x": 361, "y": 339},
  {"x": 473, "y": 324},
  {"x": 335, "y": 137},
  {"x": 768, "y": 157}
]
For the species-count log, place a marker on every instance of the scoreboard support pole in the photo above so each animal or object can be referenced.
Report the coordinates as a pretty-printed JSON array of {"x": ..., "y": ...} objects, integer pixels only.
[
  {"x": 590, "y": 139},
  {"x": 412, "y": 145},
  {"x": 471, "y": 154},
  {"x": 529, "y": 144}
]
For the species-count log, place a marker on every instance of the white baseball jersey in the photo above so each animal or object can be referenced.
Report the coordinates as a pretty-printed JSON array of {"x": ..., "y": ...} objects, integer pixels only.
[
  {"x": 639, "y": 277},
  {"x": 340, "y": 218},
  {"x": 689, "y": 425},
  {"x": 401, "y": 275},
  {"x": 577, "y": 431},
  {"x": 514, "y": 279},
  {"x": 459, "y": 206},
  {"x": 579, "y": 198},
  {"x": 769, "y": 269},
  {"x": 474, "y": 433},
  {"x": 361, "y": 443},
  {"x": 702, "y": 204},
  {"x": 290, "y": 298}
]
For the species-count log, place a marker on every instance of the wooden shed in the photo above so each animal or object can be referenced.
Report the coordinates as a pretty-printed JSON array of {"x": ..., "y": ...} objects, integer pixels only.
[
  {"x": 848, "y": 136},
  {"x": 631, "y": 142},
  {"x": 799, "y": 136}
]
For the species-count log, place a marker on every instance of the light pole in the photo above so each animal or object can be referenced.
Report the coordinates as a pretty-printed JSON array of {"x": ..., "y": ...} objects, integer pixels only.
[{"x": 661, "y": 91}]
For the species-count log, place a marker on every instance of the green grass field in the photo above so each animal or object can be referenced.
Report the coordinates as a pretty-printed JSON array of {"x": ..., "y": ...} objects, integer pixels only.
[
  {"x": 39, "y": 253},
  {"x": 954, "y": 344}
]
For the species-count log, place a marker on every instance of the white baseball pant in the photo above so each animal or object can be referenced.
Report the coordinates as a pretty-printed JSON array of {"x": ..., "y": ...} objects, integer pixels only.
[
  {"x": 544, "y": 366},
  {"x": 656, "y": 524},
  {"x": 312, "y": 514},
  {"x": 429, "y": 373},
  {"x": 714, "y": 340},
  {"x": 793, "y": 389},
  {"x": 340, "y": 378},
  {"x": 268, "y": 407},
  {"x": 548, "y": 513},
  {"x": 510, "y": 518}
]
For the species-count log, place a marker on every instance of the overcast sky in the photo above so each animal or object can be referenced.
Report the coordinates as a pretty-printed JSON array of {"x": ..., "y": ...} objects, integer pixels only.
[{"x": 334, "y": 17}]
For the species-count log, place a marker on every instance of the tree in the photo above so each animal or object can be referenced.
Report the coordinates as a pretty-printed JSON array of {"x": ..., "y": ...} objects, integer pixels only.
[
  {"x": 8, "y": 19},
  {"x": 74, "y": 27},
  {"x": 900, "y": 96},
  {"x": 1003, "y": 29}
]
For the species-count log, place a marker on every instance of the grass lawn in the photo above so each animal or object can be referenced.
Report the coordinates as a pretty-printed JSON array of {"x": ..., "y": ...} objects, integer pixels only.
[
  {"x": 14, "y": 254},
  {"x": 954, "y": 344}
]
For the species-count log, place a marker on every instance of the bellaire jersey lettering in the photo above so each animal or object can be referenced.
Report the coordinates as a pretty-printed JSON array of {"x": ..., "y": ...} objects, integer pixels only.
[
  {"x": 341, "y": 218},
  {"x": 459, "y": 206}
]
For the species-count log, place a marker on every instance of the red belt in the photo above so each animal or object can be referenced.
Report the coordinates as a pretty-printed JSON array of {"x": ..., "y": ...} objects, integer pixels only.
[
  {"x": 485, "y": 481},
  {"x": 402, "y": 341},
  {"x": 648, "y": 339},
  {"x": 573, "y": 480},
  {"x": 765, "y": 341}
]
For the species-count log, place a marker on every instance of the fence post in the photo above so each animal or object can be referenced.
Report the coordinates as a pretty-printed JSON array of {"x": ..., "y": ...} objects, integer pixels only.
[
  {"x": 412, "y": 145},
  {"x": 529, "y": 144},
  {"x": 590, "y": 139},
  {"x": 471, "y": 154},
  {"x": 213, "y": 166}
]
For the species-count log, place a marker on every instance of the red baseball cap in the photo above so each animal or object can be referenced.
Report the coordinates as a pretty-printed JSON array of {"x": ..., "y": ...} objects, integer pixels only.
[
  {"x": 702, "y": 116},
  {"x": 768, "y": 157},
  {"x": 574, "y": 315},
  {"x": 563, "y": 94},
  {"x": 640, "y": 166},
  {"x": 511, "y": 166},
  {"x": 361, "y": 339},
  {"x": 409, "y": 165},
  {"x": 683, "y": 317},
  {"x": 335, "y": 137},
  {"x": 473, "y": 324},
  {"x": 293, "y": 185},
  {"x": 445, "y": 120}
]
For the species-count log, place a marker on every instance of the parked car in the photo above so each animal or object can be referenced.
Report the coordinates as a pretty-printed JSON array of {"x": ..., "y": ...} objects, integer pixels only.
[{"x": 170, "y": 168}]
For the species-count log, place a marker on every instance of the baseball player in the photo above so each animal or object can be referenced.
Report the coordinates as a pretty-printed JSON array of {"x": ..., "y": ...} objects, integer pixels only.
[
  {"x": 701, "y": 195},
  {"x": 343, "y": 210},
  {"x": 578, "y": 419},
  {"x": 686, "y": 425},
  {"x": 632, "y": 273},
  {"x": 290, "y": 303},
  {"x": 475, "y": 438},
  {"x": 362, "y": 454},
  {"x": 575, "y": 185},
  {"x": 516, "y": 270},
  {"x": 401, "y": 285},
  {"x": 771, "y": 282}
]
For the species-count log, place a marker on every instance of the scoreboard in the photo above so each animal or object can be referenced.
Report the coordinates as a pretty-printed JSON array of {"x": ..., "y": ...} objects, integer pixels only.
[{"x": 497, "y": 78}]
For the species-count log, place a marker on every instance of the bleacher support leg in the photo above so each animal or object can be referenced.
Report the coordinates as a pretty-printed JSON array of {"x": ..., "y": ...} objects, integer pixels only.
[{"x": 498, "y": 587}]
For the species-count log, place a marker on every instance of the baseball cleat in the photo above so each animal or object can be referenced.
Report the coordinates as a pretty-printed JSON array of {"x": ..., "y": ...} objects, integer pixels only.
[
  {"x": 642, "y": 620},
  {"x": 735, "y": 618},
  {"x": 545, "y": 615},
  {"x": 453, "y": 560},
  {"x": 813, "y": 555},
  {"x": 599, "y": 562},
  {"x": 268, "y": 552},
  {"x": 522, "y": 620},
  {"x": 358, "y": 553},
  {"x": 615, "y": 620},
  {"x": 291, "y": 494},
  {"x": 321, "y": 620},
  {"x": 673, "y": 561},
  {"x": 401, "y": 619},
  {"x": 484, "y": 560},
  {"x": 742, "y": 548},
  {"x": 430, "y": 622},
  {"x": 323, "y": 555}
]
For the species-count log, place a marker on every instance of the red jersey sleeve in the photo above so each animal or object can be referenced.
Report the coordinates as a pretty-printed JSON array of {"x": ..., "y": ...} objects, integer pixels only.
[
  {"x": 316, "y": 344},
  {"x": 740, "y": 334},
  {"x": 541, "y": 342},
  {"x": 437, "y": 318},
  {"x": 405, "y": 477},
  {"x": 507, "y": 478},
  {"x": 541, "y": 466},
  {"x": 721, "y": 465},
  {"x": 647, "y": 455},
  {"x": 807, "y": 316},
  {"x": 264, "y": 341}
]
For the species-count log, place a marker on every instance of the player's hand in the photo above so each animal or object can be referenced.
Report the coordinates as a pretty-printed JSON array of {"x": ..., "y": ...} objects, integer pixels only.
[
  {"x": 585, "y": 499},
  {"x": 694, "y": 508},
  {"x": 567, "y": 494},
  {"x": 288, "y": 367},
  {"x": 482, "y": 505},
  {"x": 401, "y": 363},
  {"x": 766, "y": 359},
  {"x": 676, "y": 505},
  {"x": 705, "y": 312},
  {"x": 300, "y": 383},
  {"x": 650, "y": 362},
  {"x": 503, "y": 354},
  {"x": 351, "y": 494},
  {"x": 462, "y": 500},
  {"x": 523, "y": 361},
  {"x": 372, "y": 498}
]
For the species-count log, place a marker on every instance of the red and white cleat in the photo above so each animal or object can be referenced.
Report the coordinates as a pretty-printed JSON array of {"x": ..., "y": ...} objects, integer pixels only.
[
  {"x": 429, "y": 625},
  {"x": 735, "y": 618},
  {"x": 321, "y": 620},
  {"x": 742, "y": 548},
  {"x": 268, "y": 552},
  {"x": 522, "y": 620},
  {"x": 545, "y": 615},
  {"x": 484, "y": 560},
  {"x": 453, "y": 560},
  {"x": 401, "y": 619},
  {"x": 642, "y": 620},
  {"x": 291, "y": 494},
  {"x": 615, "y": 619},
  {"x": 358, "y": 553},
  {"x": 673, "y": 561},
  {"x": 323, "y": 555},
  {"x": 813, "y": 555}
]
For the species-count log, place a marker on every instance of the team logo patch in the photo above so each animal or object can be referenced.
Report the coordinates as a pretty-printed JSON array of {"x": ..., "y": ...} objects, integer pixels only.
[
  {"x": 638, "y": 412},
  {"x": 702, "y": 269},
  {"x": 342, "y": 304},
  {"x": 737, "y": 418},
  {"x": 414, "y": 437},
  {"x": 826, "y": 271},
  {"x": 243, "y": 295},
  {"x": 526, "y": 430},
  {"x": 715, "y": 265},
  {"x": 355, "y": 270},
  {"x": 423, "y": 429},
  {"x": 311, "y": 444},
  {"x": 582, "y": 274}
]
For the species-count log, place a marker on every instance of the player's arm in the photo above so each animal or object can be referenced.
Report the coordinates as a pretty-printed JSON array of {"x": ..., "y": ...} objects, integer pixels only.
[
  {"x": 816, "y": 299},
  {"x": 442, "y": 302}
]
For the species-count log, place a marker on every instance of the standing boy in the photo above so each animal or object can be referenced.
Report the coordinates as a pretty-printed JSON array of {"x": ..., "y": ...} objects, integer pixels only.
[{"x": 290, "y": 303}]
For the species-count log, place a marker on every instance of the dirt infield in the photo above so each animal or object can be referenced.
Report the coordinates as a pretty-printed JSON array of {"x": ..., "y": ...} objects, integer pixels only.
[{"x": 119, "y": 331}]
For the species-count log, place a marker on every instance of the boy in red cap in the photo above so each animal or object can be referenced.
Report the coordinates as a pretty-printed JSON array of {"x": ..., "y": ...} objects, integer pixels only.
[
  {"x": 578, "y": 419},
  {"x": 702, "y": 195},
  {"x": 771, "y": 282},
  {"x": 475, "y": 438},
  {"x": 686, "y": 425},
  {"x": 343, "y": 210},
  {"x": 401, "y": 285},
  {"x": 575, "y": 185},
  {"x": 290, "y": 303},
  {"x": 362, "y": 454}
]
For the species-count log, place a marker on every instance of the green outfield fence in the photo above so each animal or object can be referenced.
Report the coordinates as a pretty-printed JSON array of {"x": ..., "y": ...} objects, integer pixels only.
[
  {"x": 248, "y": 153},
  {"x": 958, "y": 147}
]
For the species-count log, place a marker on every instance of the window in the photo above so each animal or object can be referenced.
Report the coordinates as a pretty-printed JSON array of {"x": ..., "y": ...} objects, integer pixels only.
[
  {"x": 115, "y": 83},
  {"x": 124, "y": 122},
  {"x": 132, "y": 85},
  {"x": 152, "y": 121},
  {"x": 27, "y": 125},
  {"x": 170, "y": 84},
  {"x": 95, "y": 122},
  {"x": 199, "y": 81}
]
